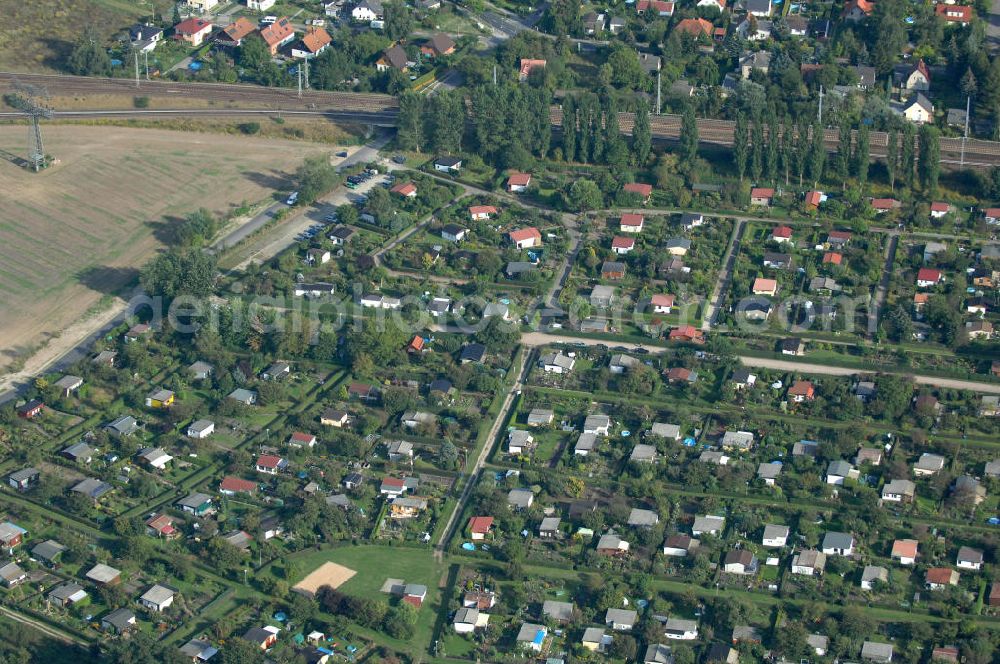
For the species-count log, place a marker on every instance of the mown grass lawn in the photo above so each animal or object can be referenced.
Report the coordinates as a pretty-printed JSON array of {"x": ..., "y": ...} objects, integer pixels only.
[{"x": 373, "y": 565}]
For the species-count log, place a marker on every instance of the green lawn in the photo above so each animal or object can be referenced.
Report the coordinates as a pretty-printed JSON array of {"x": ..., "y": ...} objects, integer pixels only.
[{"x": 374, "y": 564}]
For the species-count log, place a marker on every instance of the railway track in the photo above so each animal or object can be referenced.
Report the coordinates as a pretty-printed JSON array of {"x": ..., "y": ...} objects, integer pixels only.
[{"x": 382, "y": 109}]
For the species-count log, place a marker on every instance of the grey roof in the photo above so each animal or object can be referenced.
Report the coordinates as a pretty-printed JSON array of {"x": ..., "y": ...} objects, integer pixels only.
[
  {"x": 738, "y": 439},
  {"x": 102, "y": 573},
  {"x": 970, "y": 555},
  {"x": 65, "y": 591},
  {"x": 665, "y": 430},
  {"x": 872, "y": 572},
  {"x": 93, "y": 488},
  {"x": 902, "y": 487},
  {"x": 11, "y": 572},
  {"x": 593, "y": 635},
  {"x": 560, "y": 611},
  {"x": 597, "y": 421},
  {"x": 586, "y": 442},
  {"x": 768, "y": 470},
  {"x": 528, "y": 632},
  {"x": 642, "y": 517},
  {"x": 550, "y": 524},
  {"x": 931, "y": 462},
  {"x": 772, "y": 531},
  {"x": 200, "y": 425},
  {"x": 520, "y": 497},
  {"x": 709, "y": 523},
  {"x": 124, "y": 425},
  {"x": 23, "y": 474},
  {"x": 658, "y": 653},
  {"x": 839, "y": 467},
  {"x": 810, "y": 558},
  {"x": 467, "y": 616},
  {"x": 621, "y": 616},
  {"x": 79, "y": 450},
  {"x": 680, "y": 625},
  {"x": 158, "y": 594},
  {"x": 643, "y": 453},
  {"x": 540, "y": 416},
  {"x": 880, "y": 652},
  {"x": 194, "y": 500},
  {"x": 197, "y": 648},
  {"x": 833, "y": 540},
  {"x": 120, "y": 619}
]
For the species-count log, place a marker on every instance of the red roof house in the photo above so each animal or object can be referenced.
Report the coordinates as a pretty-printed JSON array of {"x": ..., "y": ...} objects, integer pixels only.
[
  {"x": 687, "y": 333},
  {"x": 231, "y": 485},
  {"x": 406, "y": 190},
  {"x": 480, "y": 526},
  {"x": 928, "y": 277},
  {"x": 954, "y": 13},
  {"x": 643, "y": 190},
  {"x": 696, "y": 27},
  {"x": 802, "y": 390},
  {"x": 478, "y": 212},
  {"x": 833, "y": 258},
  {"x": 518, "y": 182},
  {"x": 525, "y": 238},
  {"x": 193, "y": 30},
  {"x": 781, "y": 234}
]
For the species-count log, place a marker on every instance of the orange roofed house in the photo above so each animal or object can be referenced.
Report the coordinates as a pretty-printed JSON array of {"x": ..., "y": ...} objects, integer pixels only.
[
  {"x": 480, "y": 212},
  {"x": 643, "y": 190},
  {"x": 278, "y": 34},
  {"x": 696, "y": 27},
  {"x": 955, "y": 13},
  {"x": 687, "y": 333},
  {"x": 480, "y": 526},
  {"x": 314, "y": 42},
  {"x": 234, "y": 33},
  {"x": 517, "y": 182},
  {"x": 856, "y": 10},
  {"x": 193, "y": 30},
  {"x": 526, "y": 238}
]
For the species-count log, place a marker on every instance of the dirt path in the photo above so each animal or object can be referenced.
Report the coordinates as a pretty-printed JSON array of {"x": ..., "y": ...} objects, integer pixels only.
[{"x": 477, "y": 467}]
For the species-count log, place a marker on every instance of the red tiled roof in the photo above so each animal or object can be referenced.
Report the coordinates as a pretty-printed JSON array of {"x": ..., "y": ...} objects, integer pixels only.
[
  {"x": 300, "y": 437},
  {"x": 528, "y": 64},
  {"x": 833, "y": 257},
  {"x": 643, "y": 190},
  {"x": 762, "y": 192},
  {"x": 802, "y": 388},
  {"x": 519, "y": 179},
  {"x": 525, "y": 234},
  {"x": 928, "y": 274},
  {"x": 905, "y": 548},
  {"x": 417, "y": 343},
  {"x": 482, "y": 209},
  {"x": 782, "y": 232},
  {"x": 268, "y": 461},
  {"x": 480, "y": 524},
  {"x": 237, "y": 485},
  {"x": 404, "y": 189},
  {"x": 315, "y": 39},
  {"x": 938, "y": 206},
  {"x": 239, "y": 29},
  {"x": 632, "y": 219},
  {"x": 940, "y": 575},
  {"x": 762, "y": 285},
  {"x": 191, "y": 26},
  {"x": 277, "y": 31},
  {"x": 622, "y": 242},
  {"x": 883, "y": 203},
  {"x": 839, "y": 235},
  {"x": 393, "y": 482},
  {"x": 694, "y": 27},
  {"x": 813, "y": 198},
  {"x": 662, "y": 300}
]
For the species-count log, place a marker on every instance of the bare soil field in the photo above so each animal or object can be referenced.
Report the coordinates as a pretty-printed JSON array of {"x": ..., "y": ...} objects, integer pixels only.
[
  {"x": 327, "y": 574},
  {"x": 80, "y": 230}
]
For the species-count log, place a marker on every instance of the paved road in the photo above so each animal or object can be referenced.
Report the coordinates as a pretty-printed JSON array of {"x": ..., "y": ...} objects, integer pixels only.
[
  {"x": 477, "y": 467},
  {"x": 824, "y": 370}
]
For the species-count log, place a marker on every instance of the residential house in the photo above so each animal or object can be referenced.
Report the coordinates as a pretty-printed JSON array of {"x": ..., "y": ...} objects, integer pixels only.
[
  {"x": 158, "y": 598},
  {"x": 67, "y": 594},
  {"x": 899, "y": 491},
  {"x": 526, "y": 238},
  {"x": 708, "y": 525},
  {"x": 938, "y": 578},
  {"x": 197, "y": 503},
  {"x": 680, "y": 629},
  {"x": 775, "y": 536},
  {"x": 118, "y": 621},
  {"x": 761, "y": 196},
  {"x": 678, "y": 545},
  {"x": 838, "y": 544},
  {"x": 928, "y": 464},
  {"x": 233, "y": 34},
  {"x": 904, "y": 551},
  {"x": 610, "y": 544},
  {"x": 876, "y": 652},
  {"x": 871, "y": 574},
  {"x": 969, "y": 558},
  {"x": 741, "y": 561},
  {"x": 23, "y": 479},
  {"x": 194, "y": 31},
  {"x": 809, "y": 562},
  {"x": 201, "y": 429}
]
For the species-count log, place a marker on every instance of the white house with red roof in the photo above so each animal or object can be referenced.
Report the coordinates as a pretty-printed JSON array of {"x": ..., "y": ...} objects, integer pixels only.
[
  {"x": 622, "y": 245},
  {"x": 761, "y": 196},
  {"x": 632, "y": 223},
  {"x": 518, "y": 182},
  {"x": 481, "y": 212},
  {"x": 662, "y": 303},
  {"x": 644, "y": 191},
  {"x": 782, "y": 234},
  {"x": 232, "y": 485},
  {"x": 883, "y": 205},
  {"x": 480, "y": 526},
  {"x": 928, "y": 277},
  {"x": 526, "y": 238},
  {"x": 270, "y": 464},
  {"x": 193, "y": 30},
  {"x": 299, "y": 439},
  {"x": 939, "y": 208},
  {"x": 405, "y": 189},
  {"x": 528, "y": 65}
]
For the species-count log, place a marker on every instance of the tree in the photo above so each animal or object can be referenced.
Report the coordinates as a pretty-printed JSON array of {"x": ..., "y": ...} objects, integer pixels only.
[
  {"x": 969, "y": 83},
  {"x": 773, "y": 148},
  {"x": 585, "y": 195},
  {"x": 757, "y": 150},
  {"x": 890, "y": 35},
  {"x": 89, "y": 57},
  {"x": 892, "y": 156},
  {"x": 642, "y": 137},
  {"x": 241, "y": 651},
  {"x": 689, "y": 136},
  {"x": 569, "y": 128},
  {"x": 398, "y": 21},
  {"x": 410, "y": 125},
  {"x": 907, "y": 155},
  {"x": 843, "y": 161},
  {"x": 180, "y": 272},
  {"x": 315, "y": 177},
  {"x": 929, "y": 162},
  {"x": 862, "y": 156},
  {"x": 562, "y": 17},
  {"x": 741, "y": 148},
  {"x": 787, "y": 148},
  {"x": 817, "y": 158},
  {"x": 196, "y": 229},
  {"x": 447, "y": 454},
  {"x": 626, "y": 70},
  {"x": 253, "y": 53},
  {"x": 802, "y": 150},
  {"x": 400, "y": 621}
]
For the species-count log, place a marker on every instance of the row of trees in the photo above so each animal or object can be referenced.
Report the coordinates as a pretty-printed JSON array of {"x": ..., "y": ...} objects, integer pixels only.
[{"x": 431, "y": 123}]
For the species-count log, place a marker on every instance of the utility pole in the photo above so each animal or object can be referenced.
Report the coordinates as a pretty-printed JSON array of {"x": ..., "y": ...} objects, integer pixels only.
[
  {"x": 965, "y": 136},
  {"x": 145, "y": 55},
  {"x": 494, "y": 75},
  {"x": 820, "y": 106},
  {"x": 136, "y": 58},
  {"x": 298, "y": 71},
  {"x": 306, "y": 61}
]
